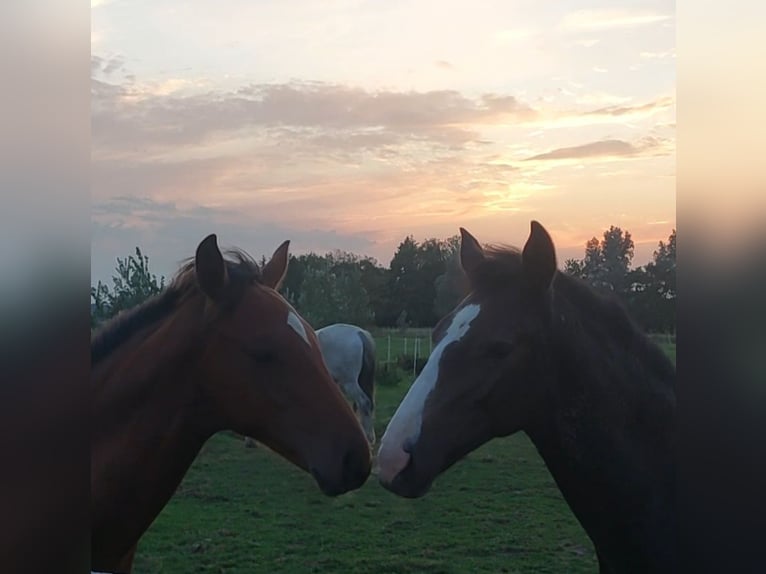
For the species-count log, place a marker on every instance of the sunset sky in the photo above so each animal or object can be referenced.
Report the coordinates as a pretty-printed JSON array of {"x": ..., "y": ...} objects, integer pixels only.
[{"x": 348, "y": 124}]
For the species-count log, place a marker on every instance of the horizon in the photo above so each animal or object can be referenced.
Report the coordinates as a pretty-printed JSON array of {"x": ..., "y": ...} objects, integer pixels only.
[
  {"x": 352, "y": 126},
  {"x": 560, "y": 259}
]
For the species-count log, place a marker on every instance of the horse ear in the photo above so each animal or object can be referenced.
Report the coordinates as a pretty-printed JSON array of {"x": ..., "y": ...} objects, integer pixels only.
[
  {"x": 471, "y": 252},
  {"x": 209, "y": 267},
  {"x": 275, "y": 270},
  {"x": 539, "y": 258}
]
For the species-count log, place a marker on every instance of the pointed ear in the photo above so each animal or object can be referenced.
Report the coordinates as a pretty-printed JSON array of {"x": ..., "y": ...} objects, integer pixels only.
[
  {"x": 275, "y": 270},
  {"x": 471, "y": 252},
  {"x": 539, "y": 258},
  {"x": 209, "y": 267}
]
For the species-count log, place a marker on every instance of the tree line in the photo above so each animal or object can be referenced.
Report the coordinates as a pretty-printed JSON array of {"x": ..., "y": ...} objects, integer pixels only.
[{"x": 422, "y": 283}]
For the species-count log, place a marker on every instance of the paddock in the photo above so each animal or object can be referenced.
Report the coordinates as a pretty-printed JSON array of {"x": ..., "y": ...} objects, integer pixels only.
[{"x": 244, "y": 510}]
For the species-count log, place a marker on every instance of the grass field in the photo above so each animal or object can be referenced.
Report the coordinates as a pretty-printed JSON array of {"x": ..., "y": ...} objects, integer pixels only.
[{"x": 242, "y": 510}]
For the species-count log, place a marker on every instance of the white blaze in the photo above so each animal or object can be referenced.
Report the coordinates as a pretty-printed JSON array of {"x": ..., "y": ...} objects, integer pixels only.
[
  {"x": 297, "y": 325},
  {"x": 407, "y": 420}
]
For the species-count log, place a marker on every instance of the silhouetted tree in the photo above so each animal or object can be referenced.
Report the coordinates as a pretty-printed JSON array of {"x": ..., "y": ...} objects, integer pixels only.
[
  {"x": 606, "y": 264},
  {"x": 423, "y": 283},
  {"x": 653, "y": 289},
  {"x": 648, "y": 291},
  {"x": 415, "y": 272},
  {"x": 402, "y": 281},
  {"x": 132, "y": 284},
  {"x": 329, "y": 295},
  {"x": 450, "y": 285}
]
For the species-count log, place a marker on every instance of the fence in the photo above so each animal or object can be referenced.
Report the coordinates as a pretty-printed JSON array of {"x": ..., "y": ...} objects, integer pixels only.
[
  {"x": 416, "y": 345},
  {"x": 394, "y": 346}
]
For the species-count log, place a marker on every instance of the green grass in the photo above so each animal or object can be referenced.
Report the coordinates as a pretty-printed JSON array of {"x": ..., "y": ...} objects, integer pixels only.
[{"x": 241, "y": 510}]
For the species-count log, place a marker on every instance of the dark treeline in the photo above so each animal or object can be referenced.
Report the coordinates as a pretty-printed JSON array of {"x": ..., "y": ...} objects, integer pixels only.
[
  {"x": 648, "y": 291},
  {"x": 344, "y": 287},
  {"x": 423, "y": 282}
]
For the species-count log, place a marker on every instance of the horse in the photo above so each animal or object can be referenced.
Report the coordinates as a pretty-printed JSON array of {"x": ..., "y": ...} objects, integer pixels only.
[
  {"x": 218, "y": 349},
  {"x": 350, "y": 355},
  {"x": 532, "y": 349}
]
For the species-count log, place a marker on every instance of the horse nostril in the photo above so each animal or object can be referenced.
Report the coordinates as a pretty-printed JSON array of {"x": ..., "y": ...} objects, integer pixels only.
[{"x": 407, "y": 446}]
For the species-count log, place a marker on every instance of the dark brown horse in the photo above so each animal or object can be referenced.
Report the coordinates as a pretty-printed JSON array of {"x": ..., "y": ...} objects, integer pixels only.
[
  {"x": 531, "y": 349},
  {"x": 218, "y": 349}
]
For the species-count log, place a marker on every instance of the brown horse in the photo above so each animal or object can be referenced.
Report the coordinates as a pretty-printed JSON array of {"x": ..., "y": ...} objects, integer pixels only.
[
  {"x": 218, "y": 349},
  {"x": 531, "y": 349}
]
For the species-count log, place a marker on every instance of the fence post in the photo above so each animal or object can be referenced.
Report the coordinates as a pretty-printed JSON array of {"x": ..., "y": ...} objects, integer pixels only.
[
  {"x": 388, "y": 354},
  {"x": 405, "y": 346}
]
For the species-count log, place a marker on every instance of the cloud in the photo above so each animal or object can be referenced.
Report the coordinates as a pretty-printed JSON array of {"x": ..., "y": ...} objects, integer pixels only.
[
  {"x": 612, "y": 114},
  {"x": 127, "y": 177},
  {"x": 647, "y": 108},
  {"x": 593, "y": 149},
  {"x": 609, "y": 19},
  {"x": 283, "y": 183},
  {"x": 169, "y": 233},
  {"x": 122, "y": 115},
  {"x": 273, "y": 150},
  {"x": 113, "y": 65},
  {"x": 172, "y": 162},
  {"x": 603, "y": 148},
  {"x": 106, "y": 66},
  {"x": 444, "y": 65},
  {"x": 277, "y": 148}
]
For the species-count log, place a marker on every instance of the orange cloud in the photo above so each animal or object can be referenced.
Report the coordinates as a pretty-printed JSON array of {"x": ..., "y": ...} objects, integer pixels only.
[{"x": 375, "y": 165}]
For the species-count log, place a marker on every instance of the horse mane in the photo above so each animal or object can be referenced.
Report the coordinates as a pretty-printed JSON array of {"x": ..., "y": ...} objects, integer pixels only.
[
  {"x": 242, "y": 271},
  {"x": 602, "y": 320},
  {"x": 585, "y": 315}
]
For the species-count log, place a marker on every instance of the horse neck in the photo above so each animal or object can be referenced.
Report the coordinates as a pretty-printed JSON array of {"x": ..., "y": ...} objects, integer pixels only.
[
  {"x": 608, "y": 442},
  {"x": 149, "y": 426}
]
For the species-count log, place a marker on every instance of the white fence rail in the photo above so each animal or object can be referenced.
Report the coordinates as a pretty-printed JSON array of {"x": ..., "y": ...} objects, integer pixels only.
[
  {"x": 418, "y": 346},
  {"x": 391, "y": 347}
]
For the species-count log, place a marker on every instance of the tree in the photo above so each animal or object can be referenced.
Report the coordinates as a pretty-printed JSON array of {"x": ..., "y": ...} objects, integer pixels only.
[
  {"x": 131, "y": 286},
  {"x": 649, "y": 292},
  {"x": 450, "y": 285},
  {"x": 606, "y": 264},
  {"x": 331, "y": 291},
  {"x": 432, "y": 257},
  {"x": 574, "y": 267},
  {"x": 401, "y": 322},
  {"x": 617, "y": 255},
  {"x": 417, "y": 279},
  {"x": 663, "y": 268},
  {"x": 318, "y": 297},
  {"x": 402, "y": 281},
  {"x": 294, "y": 278},
  {"x": 654, "y": 289},
  {"x": 374, "y": 279}
]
